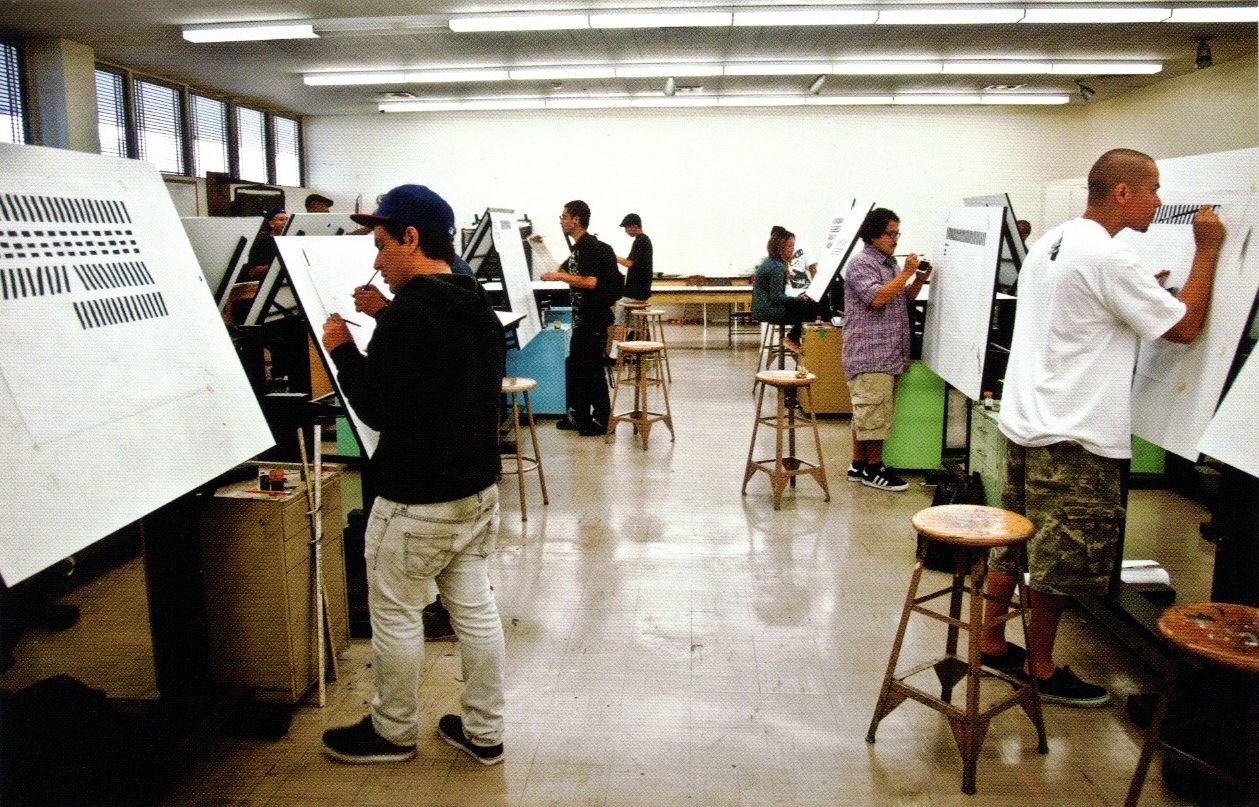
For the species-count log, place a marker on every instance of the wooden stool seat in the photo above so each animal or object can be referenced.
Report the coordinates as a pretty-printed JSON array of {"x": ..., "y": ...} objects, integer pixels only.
[
  {"x": 517, "y": 462},
  {"x": 972, "y": 525},
  {"x": 648, "y": 326},
  {"x": 785, "y": 466},
  {"x": 1216, "y": 632},
  {"x": 638, "y": 365},
  {"x": 971, "y": 530},
  {"x": 635, "y": 306}
]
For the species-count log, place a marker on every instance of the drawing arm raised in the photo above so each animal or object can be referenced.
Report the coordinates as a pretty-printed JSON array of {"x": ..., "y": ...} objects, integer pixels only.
[{"x": 1208, "y": 235}]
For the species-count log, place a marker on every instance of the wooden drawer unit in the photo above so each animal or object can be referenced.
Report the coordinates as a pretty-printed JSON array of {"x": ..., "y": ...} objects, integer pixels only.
[
  {"x": 258, "y": 569},
  {"x": 823, "y": 355}
]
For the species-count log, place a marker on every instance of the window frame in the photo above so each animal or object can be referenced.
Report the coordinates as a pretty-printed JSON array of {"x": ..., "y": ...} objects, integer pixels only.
[{"x": 20, "y": 92}]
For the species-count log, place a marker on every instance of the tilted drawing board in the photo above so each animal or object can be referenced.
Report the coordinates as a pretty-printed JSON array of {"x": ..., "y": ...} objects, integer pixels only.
[
  {"x": 840, "y": 243},
  {"x": 1013, "y": 250},
  {"x": 1231, "y": 436},
  {"x": 1176, "y": 387},
  {"x": 955, "y": 336},
  {"x": 324, "y": 272},
  {"x": 221, "y": 244},
  {"x": 321, "y": 224},
  {"x": 511, "y": 254},
  {"x": 119, "y": 387}
]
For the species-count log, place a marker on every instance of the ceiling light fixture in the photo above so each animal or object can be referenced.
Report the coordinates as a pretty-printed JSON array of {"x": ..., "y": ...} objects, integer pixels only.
[
  {"x": 1247, "y": 13},
  {"x": 1106, "y": 68},
  {"x": 996, "y": 67},
  {"x": 250, "y": 31},
  {"x": 670, "y": 86},
  {"x": 775, "y": 68},
  {"x": 1095, "y": 14},
  {"x": 561, "y": 72},
  {"x": 483, "y": 23},
  {"x": 666, "y": 70},
  {"x": 807, "y": 16},
  {"x": 889, "y": 68},
  {"x": 955, "y": 15},
  {"x": 662, "y": 19}
]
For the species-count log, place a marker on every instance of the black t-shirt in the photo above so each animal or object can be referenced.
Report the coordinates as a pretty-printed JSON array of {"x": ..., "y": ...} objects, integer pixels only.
[
  {"x": 638, "y": 278},
  {"x": 593, "y": 258}
]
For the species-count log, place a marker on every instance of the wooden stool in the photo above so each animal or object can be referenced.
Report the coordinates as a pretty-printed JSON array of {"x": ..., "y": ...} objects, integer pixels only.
[
  {"x": 514, "y": 386},
  {"x": 785, "y": 468},
  {"x": 650, "y": 328},
  {"x": 774, "y": 349},
  {"x": 1215, "y": 632},
  {"x": 638, "y": 364},
  {"x": 634, "y": 325},
  {"x": 971, "y": 530}
]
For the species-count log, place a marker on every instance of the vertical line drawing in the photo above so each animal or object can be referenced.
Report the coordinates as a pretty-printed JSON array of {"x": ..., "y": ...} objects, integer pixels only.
[
  {"x": 161, "y": 301},
  {"x": 131, "y": 312},
  {"x": 4, "y": 285},
  {"x": 78, "y": 312},
  {"x": 44, "y": 208},
  {"x": 126, "y": 214},
  {"x": 39, "y": 276},
  {"x": 21, "y": 281},
  {"x": 4, "y": 206}
]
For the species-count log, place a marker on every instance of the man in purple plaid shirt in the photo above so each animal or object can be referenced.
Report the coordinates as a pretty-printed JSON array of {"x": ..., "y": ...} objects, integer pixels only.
[{"x": 876, "y": 342}]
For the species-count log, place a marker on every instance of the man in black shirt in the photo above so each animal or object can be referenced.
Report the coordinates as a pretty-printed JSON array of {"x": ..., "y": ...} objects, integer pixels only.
[
  {"x": 596, "y": 284},
  {"x": 639, "y": 269}
]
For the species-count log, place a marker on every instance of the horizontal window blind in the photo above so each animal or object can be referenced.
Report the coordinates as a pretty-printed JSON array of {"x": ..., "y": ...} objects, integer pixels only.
[
  {"x": 288, "y": 155},
  {"x": 160, "y": 126},
  {"x": 12, "y": 117},
  {"x": 251, "y": 144},
  {"x": 111, "y": 113},
  {"x": 209, "y": 134}
]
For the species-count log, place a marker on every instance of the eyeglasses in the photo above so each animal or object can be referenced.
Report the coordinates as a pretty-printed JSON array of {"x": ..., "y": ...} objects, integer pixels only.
[{"x": 892, "y": 234}]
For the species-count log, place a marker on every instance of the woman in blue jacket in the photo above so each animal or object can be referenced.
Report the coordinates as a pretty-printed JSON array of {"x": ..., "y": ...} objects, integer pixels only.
[{"x": 770, "y": 301}]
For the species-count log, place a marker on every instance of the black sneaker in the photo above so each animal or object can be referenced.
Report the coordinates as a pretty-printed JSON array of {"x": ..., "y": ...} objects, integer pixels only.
[
  {"x": 1066, "y": 688},
  {"x": 881, "y": 477},
  {"x": 1010, "y": 662},
  {"x": 361, "y": 744},
  {"x": 593, "y": 429},
  {"x": 436, "y": 621},
  {"x": 450, "y": 729},
  {"x": 855, "y": 471},
  {"x": 566, "y": 425}
]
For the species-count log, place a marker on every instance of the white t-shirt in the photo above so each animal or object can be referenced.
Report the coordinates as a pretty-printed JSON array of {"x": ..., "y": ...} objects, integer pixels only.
[
  {"x": 1084, "y": 303},
  {"x": 798, "y": 269}
]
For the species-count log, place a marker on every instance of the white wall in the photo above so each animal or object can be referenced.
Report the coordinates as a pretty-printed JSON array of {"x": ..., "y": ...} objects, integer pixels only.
[{"x": 710, "y": 183}]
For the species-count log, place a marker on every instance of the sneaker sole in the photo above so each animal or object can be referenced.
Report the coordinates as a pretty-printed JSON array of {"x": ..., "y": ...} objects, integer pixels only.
[
  {"x": 456, "y": 744},
  {"x": 1079, "y": 703},
  {"x": 893, "y": 488},
  {"x": 372, "y": 759}
]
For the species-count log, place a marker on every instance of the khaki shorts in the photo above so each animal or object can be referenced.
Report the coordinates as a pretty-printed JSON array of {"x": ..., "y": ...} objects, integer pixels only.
[
  {"x": 1073, "y": 499},
  {"x": 873, "y": 404}
]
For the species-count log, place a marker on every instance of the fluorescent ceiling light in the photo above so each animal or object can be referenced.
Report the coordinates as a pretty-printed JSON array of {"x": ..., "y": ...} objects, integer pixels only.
[
  {"x": 1248, "y": 13},
  {"x": 661, "y": 19},
  {"x": 404, "y": 77},
  {"x": 926, "y": 99},
  {"x": 249, "y": 31},
  {"x": 561, "y": 72},
  {"x": 958, "y": 15},
  {"x": 848, "y": 100},
  {"x": 1107, "y": 68},
  {"x": 776, "y": 68},
  {"x": 519, "y": 22},
  {"x": 1096, "y": 14},
  {"x": 687, "y": 69},
  {"x": 807, "y": 16},
  {"x": 892, "y": 68},
  {"x": 996, "y": 67},
  {"x": 1024, "y": 100}
]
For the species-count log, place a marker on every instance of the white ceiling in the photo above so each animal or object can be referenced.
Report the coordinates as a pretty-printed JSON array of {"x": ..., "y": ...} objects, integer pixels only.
[{"x": 145, "y": 35}]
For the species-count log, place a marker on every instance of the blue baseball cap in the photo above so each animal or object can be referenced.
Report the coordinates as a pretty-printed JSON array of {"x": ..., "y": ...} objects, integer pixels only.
[{"x": 414, "y": 205}]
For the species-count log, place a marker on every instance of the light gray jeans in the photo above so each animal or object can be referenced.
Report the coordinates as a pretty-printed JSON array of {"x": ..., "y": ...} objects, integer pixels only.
[{"x": 408, "y": 546}]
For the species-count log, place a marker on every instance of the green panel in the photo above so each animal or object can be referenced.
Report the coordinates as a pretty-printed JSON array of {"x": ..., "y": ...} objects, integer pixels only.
[
  {"x": 1147, "y": 458},
  {"x": 918, "y": 427},
  {"x": 347, "y": 444}
]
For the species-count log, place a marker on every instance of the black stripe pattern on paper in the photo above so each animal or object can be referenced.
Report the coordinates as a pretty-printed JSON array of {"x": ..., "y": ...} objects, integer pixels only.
[
  {"x": 34, "y": 281},
  {"x": 107, "y": 311},
  {"x": 97, "y": 276},
  {"x": 62, "y": 209},
  {"x": 976, "y": 237},
  {"x": 66, "y": 242},
  {"x": 1178, "y": 214}
]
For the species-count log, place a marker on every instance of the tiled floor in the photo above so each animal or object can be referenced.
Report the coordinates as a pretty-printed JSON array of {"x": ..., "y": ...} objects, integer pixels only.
[{"x": 673, "y": 643}]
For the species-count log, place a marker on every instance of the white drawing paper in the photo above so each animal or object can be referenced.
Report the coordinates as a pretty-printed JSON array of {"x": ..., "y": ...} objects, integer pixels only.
[
  {"x": 1176, "y": 387},
  {"x": 121, "y": 390},
  {"x": 321, "y": 224},
  {"x": 955, "y": 336},
  {"x": 511, "y": 255},
  {"x": 839, "y": 245},
  {"x": 1231, "y": 436}
]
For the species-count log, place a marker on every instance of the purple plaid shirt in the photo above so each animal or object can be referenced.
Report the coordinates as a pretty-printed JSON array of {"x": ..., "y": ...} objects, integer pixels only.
[{"x": 874, "y": 341}]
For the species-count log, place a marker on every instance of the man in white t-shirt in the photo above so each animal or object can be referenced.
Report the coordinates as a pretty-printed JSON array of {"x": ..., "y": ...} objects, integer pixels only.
[
  {"x": 802, "y": 268},
  {"x": 1085, "y": 303}
]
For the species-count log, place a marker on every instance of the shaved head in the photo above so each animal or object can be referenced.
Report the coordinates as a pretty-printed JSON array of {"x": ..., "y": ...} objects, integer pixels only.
[{"x": 1115, "y": 167}]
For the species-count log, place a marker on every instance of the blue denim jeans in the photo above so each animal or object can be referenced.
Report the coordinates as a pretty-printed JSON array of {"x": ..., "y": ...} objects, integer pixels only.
[{"x": 408, "y": 547}]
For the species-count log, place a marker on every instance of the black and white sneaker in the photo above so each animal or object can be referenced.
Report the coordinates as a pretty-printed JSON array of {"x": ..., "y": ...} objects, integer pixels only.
[
  {"x": 450, "y": 729},
  {"x": 881, "y": 477},
  {"x": 1010, "y": 661},
  {"x": 359, "y": 744},
  {"x": 855, "y": 471},
  {"x": 1066, "y": 688}
]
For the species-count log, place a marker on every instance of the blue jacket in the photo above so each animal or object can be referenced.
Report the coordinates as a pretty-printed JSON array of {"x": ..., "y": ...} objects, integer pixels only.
[{"x": 769, "y": 298}]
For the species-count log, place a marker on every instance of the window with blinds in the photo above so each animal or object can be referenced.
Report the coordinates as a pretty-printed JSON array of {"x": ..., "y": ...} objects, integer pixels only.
[
  {"x": 111, "y": 113},
  {"x": 209, "y": 134},
  {"x": 251, "y": 144},
  {"x": 160, "y": 126},
  {"x": 12, "y": 119},
  {"x": 288, "y": 151}
]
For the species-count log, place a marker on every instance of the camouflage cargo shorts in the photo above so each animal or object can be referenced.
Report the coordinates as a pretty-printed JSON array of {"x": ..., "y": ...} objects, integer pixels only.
[{"x": 1073, "y": 498}]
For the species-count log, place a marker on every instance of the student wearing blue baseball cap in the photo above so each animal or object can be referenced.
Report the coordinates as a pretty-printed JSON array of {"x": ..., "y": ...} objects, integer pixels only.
[{"x": 430, "y": 384}]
